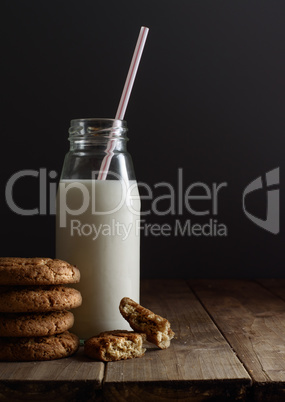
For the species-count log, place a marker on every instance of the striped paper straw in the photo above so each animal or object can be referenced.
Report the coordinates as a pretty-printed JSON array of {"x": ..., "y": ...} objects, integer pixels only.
[{"x": 124, "y": 99}]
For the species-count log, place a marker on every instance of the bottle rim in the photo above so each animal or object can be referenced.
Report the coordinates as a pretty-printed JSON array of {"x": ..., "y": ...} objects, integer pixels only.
[{"x": 97, "y": 128}]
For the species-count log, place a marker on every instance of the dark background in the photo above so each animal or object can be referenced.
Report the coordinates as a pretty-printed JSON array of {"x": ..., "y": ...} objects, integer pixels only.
[{"x": 208, "y": 98}]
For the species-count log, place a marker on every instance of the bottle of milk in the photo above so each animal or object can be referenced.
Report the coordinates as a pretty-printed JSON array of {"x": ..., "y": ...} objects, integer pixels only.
[{"x": 98, "y": 222}]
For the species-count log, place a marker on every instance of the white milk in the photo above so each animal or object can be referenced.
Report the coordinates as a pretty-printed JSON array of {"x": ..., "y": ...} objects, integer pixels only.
[{"x": 101, "y": 237}]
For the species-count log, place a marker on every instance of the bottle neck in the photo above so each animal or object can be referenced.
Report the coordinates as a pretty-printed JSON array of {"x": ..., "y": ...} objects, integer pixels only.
[{"x": 99, "y": 134}]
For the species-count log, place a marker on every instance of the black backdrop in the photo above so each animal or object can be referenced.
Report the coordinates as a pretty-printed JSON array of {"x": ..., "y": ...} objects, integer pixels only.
[{"x": 208, "y": 102}]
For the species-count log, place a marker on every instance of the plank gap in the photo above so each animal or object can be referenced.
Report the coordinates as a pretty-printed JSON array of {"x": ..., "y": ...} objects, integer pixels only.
[
  {"x": 212, "y": 317},
  {"x": 252, "y": 319},
  {"x": 275, "y": 286}
]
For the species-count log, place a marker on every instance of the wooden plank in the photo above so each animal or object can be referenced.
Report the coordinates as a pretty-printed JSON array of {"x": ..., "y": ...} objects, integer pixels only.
[
  {"x": 73, "y": 378},
  {"x": 252, "y": 319},
  {"x": 276, "y": 286},
  {"x": 198, "y": 365}
]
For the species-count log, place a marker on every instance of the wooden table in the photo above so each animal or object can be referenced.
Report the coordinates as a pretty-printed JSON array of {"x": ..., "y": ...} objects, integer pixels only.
[{"x": 229, "y": 345}]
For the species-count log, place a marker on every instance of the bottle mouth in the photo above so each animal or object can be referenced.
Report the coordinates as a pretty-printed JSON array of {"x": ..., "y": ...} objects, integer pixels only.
[{"x": 97, "y": 127}]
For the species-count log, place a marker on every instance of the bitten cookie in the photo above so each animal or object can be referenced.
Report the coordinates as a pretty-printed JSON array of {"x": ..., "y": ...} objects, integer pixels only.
[
  {"x": 38, "y": 348},
  {"x": 35, "y": 324},
  {"x": 20, "y": 299},
  {"x": 37, "y": 271},
  {"x": 156, "y": 328},
  {"x": 115, "y": 345}
]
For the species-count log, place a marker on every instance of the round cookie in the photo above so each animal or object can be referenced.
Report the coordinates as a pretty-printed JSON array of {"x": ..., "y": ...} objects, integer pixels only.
[
  {"x": 19, "y": 299},
  {"x": 35, "y": 324},
  {"x": 38, "y": 348},
  {"x": 37, "y": 271}
]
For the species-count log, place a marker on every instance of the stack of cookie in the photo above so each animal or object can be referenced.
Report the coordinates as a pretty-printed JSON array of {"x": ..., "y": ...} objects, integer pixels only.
[{"x": 34, "y": 309}]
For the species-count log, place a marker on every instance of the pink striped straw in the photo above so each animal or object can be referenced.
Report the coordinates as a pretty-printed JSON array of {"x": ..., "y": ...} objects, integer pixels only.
[{"x": 124, "y": 99}]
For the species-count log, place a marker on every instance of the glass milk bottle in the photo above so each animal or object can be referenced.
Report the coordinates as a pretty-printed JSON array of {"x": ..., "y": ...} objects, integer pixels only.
[{"x": 98, "y": 222}]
